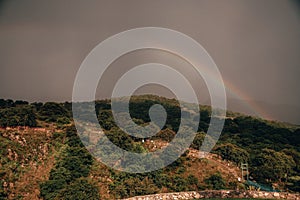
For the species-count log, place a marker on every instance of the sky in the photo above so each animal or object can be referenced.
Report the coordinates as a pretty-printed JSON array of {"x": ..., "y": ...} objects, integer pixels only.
[{"x": 254, "y": 43}]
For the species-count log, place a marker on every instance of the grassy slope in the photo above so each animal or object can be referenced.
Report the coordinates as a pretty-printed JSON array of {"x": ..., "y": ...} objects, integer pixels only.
[
  {"x": 30, "y": 164},
  {"x": 28, "y": 158}
]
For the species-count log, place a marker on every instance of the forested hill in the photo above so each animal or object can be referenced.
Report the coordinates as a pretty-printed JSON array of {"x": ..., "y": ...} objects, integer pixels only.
[{"x": 41, "y": 138}]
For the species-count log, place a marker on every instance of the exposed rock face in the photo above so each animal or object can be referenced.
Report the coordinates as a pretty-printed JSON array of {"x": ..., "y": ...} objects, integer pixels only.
[{"x": 218, "y": 194}]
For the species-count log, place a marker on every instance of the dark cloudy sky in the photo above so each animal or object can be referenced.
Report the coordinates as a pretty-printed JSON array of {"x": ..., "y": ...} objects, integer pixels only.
[{"x": 255, "y": 44}]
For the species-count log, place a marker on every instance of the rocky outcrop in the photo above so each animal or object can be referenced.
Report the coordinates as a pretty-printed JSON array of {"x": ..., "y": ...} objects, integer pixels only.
[{"x": 218, "y": 194}]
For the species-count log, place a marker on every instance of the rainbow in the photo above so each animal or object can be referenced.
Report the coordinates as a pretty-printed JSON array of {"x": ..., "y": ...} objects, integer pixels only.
[{"x": 246, "y": 99}]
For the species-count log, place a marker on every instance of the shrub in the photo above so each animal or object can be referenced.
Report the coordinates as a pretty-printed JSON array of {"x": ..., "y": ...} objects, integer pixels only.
[
  {"x": 215, "y": 182},
  {"x": 78, "y": 190}
]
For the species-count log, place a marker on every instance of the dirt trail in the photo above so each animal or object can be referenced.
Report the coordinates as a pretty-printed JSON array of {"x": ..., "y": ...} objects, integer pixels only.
[{"x": 224, "y": 166}]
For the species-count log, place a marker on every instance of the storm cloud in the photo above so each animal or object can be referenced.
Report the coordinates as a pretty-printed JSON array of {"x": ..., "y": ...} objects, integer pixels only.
[{"x": 254, "y": 43}]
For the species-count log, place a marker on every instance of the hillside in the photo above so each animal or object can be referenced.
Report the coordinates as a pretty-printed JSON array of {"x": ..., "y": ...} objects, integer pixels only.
[
  {"x": 43, "y": 158},
  {"x": 27, "y": 156}
]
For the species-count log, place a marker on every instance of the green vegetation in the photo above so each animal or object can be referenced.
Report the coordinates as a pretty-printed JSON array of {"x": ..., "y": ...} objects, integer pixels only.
[
  {"x": 18, "y": 116},
  {"x": 25, "y": 157},
  {"x": 171, "y": 178},
  {"x": 54, "y": 112},
  {"x": 233, "y": 153},
  {"x": 69, "y": 178},
  {"x": 215, "y": 182},
  {"x": 270, "y": 148},
  {"x": 272, "y": 151}
]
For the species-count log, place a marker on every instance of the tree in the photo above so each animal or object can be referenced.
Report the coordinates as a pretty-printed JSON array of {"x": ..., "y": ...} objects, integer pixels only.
[
  {"x": 232, "y": 153},
  {"x": 50, "y": 189},
  {"x": 51, "y": 111},
  {"x": 192, "y": 182},
  {"x": 166, "y": 135},
  {"x": 20, "y": 102},
  {"x": 198, "y": 140},
  {"x": 106, "y": 119},
  {"x": 6, "y": 103},
  {"x": 271, "y": 165},
  {"x": 18, "y": 116},
  {"x": 78, "y": 190},
  {"x": 215, "y": 182}
]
